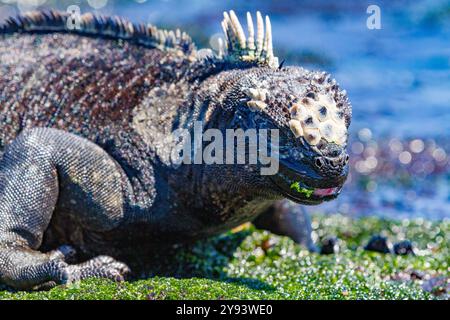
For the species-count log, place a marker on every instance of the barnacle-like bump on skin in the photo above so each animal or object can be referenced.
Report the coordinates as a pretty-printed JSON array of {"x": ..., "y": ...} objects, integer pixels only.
[
  {"x": 257, "y": 94},
  {"x": 294, "y": 110},
  {"x": 256, "y": 105},
  {"x": 327, "y": 130},
  {"x": 257, "y": 98},
  {"x": 319, "y": 117},
  {"x": 321, "y": 112},
  {"x": 296, "y": 128},
  {"x": 312, "y": 135},
  {"x": 340, "y": 135},
  {"x": 310, "y": 122},
  {"x": 245, "y": 49}
]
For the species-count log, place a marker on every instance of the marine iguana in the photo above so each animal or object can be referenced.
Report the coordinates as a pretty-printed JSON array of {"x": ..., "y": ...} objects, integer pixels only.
[{"x": 86, "y": 132}]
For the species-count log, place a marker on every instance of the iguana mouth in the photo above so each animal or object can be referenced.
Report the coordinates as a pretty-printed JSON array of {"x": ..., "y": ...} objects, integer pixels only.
[
  {"x": 300, "y": 192},
  {"x": 300, "y": 187}
]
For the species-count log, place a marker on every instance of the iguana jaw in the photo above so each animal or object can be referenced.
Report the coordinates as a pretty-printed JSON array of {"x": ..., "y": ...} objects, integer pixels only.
[
  {"x": 299, "y": 187},
  {"x": 301, "y": 193}
]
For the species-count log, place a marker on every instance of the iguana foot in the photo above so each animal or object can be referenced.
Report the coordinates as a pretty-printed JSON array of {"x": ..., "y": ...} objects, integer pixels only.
[
  {"x": 98, "y": 267},
  {"x": 288, "y": 219},
  {"x": 23, "y": 268}
]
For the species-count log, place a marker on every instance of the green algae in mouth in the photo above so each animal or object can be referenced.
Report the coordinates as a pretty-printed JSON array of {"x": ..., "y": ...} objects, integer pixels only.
[{"x": 307, "y": 192}]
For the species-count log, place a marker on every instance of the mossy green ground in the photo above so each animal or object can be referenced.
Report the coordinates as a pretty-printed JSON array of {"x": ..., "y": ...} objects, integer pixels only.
[{"x": 254, "y": 264}]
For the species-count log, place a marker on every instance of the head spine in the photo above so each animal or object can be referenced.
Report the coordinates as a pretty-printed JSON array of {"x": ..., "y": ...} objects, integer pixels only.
[{"x": 242, "y": 49}]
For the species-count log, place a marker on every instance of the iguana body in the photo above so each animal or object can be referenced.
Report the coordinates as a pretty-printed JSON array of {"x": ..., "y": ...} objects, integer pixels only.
[{"x": 86, "y": 126}]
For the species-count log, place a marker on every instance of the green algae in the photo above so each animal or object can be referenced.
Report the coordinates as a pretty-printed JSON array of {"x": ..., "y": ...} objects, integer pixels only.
[
  {"x": 255, "y": 264},
  {"x": 307, "y": 192}
]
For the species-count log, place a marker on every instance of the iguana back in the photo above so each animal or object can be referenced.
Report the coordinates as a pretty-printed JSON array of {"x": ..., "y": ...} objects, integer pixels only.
[{"x": 90, "y": 81}]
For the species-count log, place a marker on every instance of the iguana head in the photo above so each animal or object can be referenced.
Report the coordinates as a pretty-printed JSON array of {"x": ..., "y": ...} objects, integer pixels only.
[{"x": 308, "y": 108}]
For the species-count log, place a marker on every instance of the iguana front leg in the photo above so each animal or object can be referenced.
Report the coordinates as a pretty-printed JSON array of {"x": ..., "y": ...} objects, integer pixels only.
[
  {"x": 288, "y": 219},
  {"x": 43, "y": 167}
]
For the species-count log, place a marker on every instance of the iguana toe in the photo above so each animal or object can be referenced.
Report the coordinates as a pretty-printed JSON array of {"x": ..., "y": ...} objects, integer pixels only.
[{"x": 98, "y": 267}]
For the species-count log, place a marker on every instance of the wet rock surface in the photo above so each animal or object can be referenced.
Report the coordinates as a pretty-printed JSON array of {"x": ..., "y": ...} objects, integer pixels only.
[
  {"x": 330, "y": 245},
  {"x": 438, "y": 286},
  {"x": 403, "y": 248},
  {"x": 380, "y": 244}
]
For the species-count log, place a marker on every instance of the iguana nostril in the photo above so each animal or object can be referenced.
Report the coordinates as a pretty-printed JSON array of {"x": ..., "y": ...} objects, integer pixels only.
[
  {"x": 337, "y": 162},
  {"x": 328, "y": 165},
  {"x": 319, "y": 163}
]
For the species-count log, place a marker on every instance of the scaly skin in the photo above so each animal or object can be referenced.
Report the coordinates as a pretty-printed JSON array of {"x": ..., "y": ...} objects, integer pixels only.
[{"x": 86, "y": 128}]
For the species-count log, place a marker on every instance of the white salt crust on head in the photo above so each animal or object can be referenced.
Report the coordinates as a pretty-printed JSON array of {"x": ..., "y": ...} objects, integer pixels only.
[
  {"x": 318, "y": 118},
  {"x": 312, "y": 119}
]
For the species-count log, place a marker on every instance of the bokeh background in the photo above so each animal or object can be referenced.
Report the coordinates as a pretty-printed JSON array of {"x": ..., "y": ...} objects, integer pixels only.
[{"x": 397, "y": 78}]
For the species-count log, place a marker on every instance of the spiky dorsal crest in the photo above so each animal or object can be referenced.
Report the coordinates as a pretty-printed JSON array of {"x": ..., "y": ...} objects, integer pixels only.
[
  {"x": 253, "y": 49},
  {"x": 97, "y": 25},
  {"x": 239, "y": 48}
]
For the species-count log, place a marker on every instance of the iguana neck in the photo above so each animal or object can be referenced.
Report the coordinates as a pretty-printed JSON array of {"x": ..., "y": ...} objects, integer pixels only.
[{"x": 235, "y": 185}]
